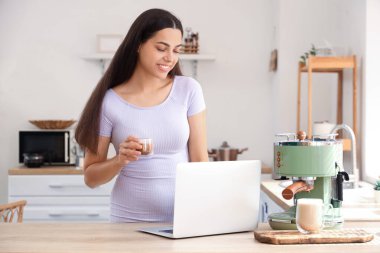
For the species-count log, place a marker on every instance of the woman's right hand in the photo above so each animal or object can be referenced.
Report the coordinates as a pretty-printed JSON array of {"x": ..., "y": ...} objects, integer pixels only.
[{"x": 128, "y": 150}]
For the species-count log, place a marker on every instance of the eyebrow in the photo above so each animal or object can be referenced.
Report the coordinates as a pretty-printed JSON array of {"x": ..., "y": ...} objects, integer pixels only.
[{"x": 166, "y": 44}]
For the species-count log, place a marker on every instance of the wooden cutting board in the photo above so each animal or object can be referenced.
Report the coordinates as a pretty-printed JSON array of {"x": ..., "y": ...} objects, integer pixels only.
[{"x": 325, "y": 236}]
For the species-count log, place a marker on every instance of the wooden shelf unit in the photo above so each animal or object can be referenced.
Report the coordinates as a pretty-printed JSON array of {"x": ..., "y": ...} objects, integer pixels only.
[{"x": 329, "y": 64}]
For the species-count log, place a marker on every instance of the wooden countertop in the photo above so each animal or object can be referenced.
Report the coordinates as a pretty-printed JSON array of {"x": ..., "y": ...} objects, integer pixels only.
[
  {"x": 72, "y": 170},
  {"x": 54, "y": 170},
  {"x": 107, "y": 237},
  {"x": 266, "y": 169},
  {"x": 273, "y": 190}
]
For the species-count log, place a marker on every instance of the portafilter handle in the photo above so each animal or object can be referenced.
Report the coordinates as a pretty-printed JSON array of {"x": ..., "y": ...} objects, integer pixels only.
[{"x": 299, "y": 186}]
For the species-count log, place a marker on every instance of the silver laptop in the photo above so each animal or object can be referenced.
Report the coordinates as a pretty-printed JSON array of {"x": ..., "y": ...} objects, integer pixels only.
[{"x": 214, "y": 198}]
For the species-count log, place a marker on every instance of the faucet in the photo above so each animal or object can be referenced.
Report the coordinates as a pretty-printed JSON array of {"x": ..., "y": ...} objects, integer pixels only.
[{"x": 355, "y": 170}]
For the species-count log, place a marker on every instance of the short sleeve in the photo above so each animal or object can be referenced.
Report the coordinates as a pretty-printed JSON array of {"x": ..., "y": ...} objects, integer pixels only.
[
  {"x": 105, "y": 126},
  {"x": 196, "y": 101}
]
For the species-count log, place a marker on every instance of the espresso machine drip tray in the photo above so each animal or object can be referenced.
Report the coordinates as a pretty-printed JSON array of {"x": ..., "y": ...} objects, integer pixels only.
[{"x": 282, "y": 221}]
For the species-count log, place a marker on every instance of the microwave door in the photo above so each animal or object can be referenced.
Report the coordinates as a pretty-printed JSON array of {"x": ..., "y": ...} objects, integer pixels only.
[{"x": 53, "y": 145}]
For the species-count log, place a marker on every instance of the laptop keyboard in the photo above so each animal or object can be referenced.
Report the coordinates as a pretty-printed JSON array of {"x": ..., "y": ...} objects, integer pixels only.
[{"x": 169, "y": 231}]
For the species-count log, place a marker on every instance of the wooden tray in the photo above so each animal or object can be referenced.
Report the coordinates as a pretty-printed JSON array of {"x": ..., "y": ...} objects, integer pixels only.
[{"x": 325, "y": 236}]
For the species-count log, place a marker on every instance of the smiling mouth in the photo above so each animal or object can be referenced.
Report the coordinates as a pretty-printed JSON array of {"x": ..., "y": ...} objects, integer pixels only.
[{"x": 163, "y": 67}]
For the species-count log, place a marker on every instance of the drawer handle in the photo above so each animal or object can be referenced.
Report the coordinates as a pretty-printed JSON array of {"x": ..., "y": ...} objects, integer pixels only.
[{"x": 60, "y": 214}]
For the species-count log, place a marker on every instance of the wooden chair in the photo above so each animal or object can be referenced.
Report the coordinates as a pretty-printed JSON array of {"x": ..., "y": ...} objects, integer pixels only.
[{"x": 10, "y": 210}]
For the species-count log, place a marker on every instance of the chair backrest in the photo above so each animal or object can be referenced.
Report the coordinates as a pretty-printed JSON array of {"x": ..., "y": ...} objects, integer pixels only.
[{"x": 11, "y": 210}]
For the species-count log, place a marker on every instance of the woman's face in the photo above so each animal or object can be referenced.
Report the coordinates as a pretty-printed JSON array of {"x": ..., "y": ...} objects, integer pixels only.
[{"x": 159, "y": 54}]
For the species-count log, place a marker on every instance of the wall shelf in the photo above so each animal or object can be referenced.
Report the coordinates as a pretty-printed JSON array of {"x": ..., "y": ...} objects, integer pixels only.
[
  {"x": 317, "y": 64},
  {"x": 103, "y": 58}
]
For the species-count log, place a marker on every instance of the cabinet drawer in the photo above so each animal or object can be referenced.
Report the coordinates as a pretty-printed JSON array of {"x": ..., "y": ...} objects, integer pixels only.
[
  {"x": 71, "y": 213},
  {"x": 54, "y": 185},
  {"x": 267, "y": 207},
  {"x": 63, "y": 200}
]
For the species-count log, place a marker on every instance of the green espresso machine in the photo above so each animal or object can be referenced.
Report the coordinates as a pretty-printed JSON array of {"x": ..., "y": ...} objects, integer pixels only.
[{"x": 315, "y": 167}]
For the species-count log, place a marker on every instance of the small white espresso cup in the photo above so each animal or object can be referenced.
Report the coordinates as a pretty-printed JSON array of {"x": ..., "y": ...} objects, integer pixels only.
[{"x": 310, "y": 215}]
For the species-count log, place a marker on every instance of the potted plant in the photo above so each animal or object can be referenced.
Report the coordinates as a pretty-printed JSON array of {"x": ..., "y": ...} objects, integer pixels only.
[
  {"x": 305, "y": 56},
  {"x": 377, "y": 191}
]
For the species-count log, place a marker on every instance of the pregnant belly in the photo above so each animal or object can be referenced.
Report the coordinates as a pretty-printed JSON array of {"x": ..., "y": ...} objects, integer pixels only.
[{"x": 143, "y": 199}]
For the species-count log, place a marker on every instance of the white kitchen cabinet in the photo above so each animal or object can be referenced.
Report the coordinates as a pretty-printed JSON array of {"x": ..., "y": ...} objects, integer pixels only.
[
  {"x": 60, "y": 198},
  {"x": 267, "y": 206}
]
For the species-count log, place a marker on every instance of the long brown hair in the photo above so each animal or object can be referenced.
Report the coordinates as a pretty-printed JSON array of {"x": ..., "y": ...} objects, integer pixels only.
[{"x": 121, "y": 69}]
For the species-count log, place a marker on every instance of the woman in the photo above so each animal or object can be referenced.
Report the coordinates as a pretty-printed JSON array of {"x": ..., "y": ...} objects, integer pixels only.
[{"x": 143, "y": 94}]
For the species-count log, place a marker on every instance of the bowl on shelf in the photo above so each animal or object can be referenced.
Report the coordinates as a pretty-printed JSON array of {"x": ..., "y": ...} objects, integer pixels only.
[{"x": 52, "y": 124}]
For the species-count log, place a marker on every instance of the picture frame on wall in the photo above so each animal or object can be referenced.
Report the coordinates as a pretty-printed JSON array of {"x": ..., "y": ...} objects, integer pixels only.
[
  {"x": 108, "y": 43},
  {"x": 273, "y": 60}
]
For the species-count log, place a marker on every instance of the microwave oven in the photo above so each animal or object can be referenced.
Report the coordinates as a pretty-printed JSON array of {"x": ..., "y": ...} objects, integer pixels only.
[{"x": 54, "y": 145}]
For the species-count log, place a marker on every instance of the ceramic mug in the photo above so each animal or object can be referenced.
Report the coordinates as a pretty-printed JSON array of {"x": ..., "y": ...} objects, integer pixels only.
[
  {"x": 310, "y": 215},
  {"x": 322, "y": 128}
]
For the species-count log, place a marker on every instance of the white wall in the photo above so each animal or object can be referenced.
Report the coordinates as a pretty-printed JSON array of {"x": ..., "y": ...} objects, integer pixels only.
[
  {"x": 371, "y": 92},
  {"x": 43, "y": 76}
]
